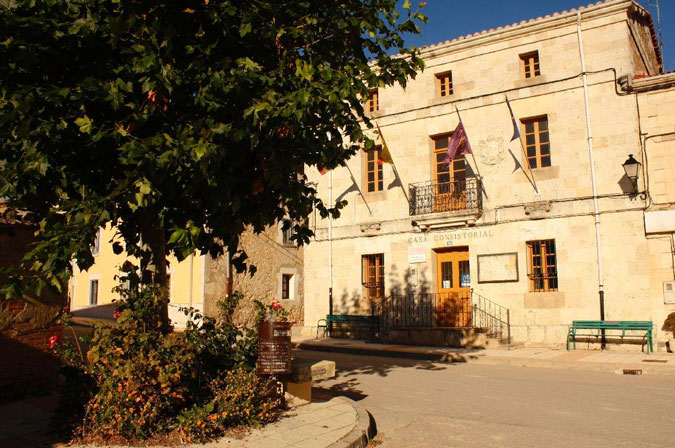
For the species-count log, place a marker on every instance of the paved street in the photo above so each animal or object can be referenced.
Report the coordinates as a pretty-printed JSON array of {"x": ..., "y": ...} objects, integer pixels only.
[{"x": 426, "y": 404}]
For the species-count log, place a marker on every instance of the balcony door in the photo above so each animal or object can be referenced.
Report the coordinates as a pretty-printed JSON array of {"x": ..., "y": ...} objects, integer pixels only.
[
  {"x": 450, "y": 178},
  {"x": 453, "y": 288}
]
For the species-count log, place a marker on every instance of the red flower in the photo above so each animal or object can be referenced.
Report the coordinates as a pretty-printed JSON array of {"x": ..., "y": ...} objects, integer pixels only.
[
  {"x": 116, "y": 314},
  {"x": 53, "y": 340}
]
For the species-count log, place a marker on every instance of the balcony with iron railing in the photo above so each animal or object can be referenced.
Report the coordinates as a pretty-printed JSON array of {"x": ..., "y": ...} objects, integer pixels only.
[{"x": 446, "y": 204}]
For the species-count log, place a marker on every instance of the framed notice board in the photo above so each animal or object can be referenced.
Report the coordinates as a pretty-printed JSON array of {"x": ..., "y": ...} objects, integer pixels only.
[{"x": 498, "y": 268}]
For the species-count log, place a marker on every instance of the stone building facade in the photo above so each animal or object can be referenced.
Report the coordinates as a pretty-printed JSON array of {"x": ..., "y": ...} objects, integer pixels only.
[{"x": 587, "y": 90}]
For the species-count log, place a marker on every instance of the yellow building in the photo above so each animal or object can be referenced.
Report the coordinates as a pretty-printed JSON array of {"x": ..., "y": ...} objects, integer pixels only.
[
  {"x": 522, "y": 235},
  {"x": 200, "y": 281}
]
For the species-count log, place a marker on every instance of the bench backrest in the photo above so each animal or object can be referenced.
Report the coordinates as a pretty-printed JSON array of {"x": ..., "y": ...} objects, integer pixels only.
[
  {"x": 349, "y": 318},
  {"x": 619, "y": 324}
]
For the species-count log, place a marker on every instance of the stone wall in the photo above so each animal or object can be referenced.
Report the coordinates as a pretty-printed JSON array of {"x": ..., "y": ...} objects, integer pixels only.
[
  {"x": 27, "y": 365},
  {"x": 268, "y": 260}
]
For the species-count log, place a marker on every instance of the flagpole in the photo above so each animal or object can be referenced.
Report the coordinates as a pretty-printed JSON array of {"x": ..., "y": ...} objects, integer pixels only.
[
  {"x": 393, "y": 164},
  {"x": 360, "y": 192},
  {"x": 472, "y": 156},
  {"x": 522, "y": 150}
]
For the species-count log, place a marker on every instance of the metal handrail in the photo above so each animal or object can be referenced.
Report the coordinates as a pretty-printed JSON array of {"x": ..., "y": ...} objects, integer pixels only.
[
  {"x": 432, "y": 196},
  {"x": 431, "y": 310}
]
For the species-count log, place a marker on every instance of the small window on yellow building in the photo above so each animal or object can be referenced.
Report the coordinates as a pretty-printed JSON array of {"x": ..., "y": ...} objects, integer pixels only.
[{"x": 529, "y": 63}]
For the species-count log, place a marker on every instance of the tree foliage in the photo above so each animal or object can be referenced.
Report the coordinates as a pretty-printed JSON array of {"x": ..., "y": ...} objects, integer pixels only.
[{"x": 182, "y": 123}]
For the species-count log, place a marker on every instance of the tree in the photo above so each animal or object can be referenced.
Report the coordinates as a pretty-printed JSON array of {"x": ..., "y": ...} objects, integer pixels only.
[{"x": 182, "y": 123}]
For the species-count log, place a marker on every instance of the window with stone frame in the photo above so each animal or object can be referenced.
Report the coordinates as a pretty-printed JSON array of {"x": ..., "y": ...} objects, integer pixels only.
[
  {"x": 286, "y": 286},
  {"x": 444, "y": 84},
  {"x": 542, "y": 266},
  {"x": 374, "y": 170},
  {"x": 373, "y": 100},
  {"x": 537, "y": 142},
  {"x": 372, "y": 275},
  {"x": 529, "y": 64}
]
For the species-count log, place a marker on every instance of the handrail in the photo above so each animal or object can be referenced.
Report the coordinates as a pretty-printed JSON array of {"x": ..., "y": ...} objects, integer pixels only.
[
  {"x": 431, "y": 310},
  {"x": 432, "y": 196}
]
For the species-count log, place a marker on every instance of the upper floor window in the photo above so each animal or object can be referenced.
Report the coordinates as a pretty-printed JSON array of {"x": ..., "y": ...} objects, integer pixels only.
[
  {"x": 529, "y": 63},
  {"x": 543, "y": 267},
  {"x": 537, "y": 144},
  {"x": 96, "y": 245},
  {"x": 445, "y": 172},
  {"x": 373, "y": 101},
  {"x": 286, "y": 235},
  {"x": 374, "y": 178},
  {"x": 444, "y": 83},
  {"x": 372, "y": 275}
]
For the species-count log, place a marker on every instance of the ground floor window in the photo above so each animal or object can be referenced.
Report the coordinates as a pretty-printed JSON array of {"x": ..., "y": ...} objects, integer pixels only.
[
  {"x": 93, "y": 292},
  {"x": 372, "y": 275},
  {"x": 543, "y": 268},
  {"x": 286, "y": 286}
]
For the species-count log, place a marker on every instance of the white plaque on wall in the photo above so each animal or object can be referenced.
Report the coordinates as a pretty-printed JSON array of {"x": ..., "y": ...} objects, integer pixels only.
[
  {"x": 496, "y": 268},
  {"x": 417, "y": 255}
]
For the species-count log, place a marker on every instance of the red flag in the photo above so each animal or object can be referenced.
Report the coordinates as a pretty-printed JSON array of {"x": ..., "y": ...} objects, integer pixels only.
[{"x": 459, "y": 143}]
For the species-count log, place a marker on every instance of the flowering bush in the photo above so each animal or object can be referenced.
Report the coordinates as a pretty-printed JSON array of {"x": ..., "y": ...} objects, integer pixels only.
[{"x": 140, "y": 382}]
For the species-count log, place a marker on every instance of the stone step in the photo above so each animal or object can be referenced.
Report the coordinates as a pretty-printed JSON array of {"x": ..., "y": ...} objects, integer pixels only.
[{"x": 438, "y": 337}]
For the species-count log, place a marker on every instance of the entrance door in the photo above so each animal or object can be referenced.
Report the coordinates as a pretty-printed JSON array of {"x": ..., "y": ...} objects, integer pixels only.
[{"x": 453, "y": 288}]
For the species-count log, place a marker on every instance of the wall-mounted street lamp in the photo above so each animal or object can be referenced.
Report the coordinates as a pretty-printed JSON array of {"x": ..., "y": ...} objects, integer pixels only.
[{"x": 632, "y": 167}]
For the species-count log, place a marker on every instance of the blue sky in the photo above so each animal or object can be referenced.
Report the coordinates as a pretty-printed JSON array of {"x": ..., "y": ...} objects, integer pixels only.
[{"x": 452, "y": 18}]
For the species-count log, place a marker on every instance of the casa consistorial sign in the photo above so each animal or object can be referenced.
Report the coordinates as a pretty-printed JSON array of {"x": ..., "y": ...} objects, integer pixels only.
[{"x": 449, "y": 238}]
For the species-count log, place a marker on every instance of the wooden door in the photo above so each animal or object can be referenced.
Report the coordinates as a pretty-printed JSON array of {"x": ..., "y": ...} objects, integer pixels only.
[{"x": 453, "y": 288}]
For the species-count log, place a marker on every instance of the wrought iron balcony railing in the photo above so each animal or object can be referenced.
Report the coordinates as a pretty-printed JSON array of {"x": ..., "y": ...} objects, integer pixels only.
[{"x": 434, "y": 197}]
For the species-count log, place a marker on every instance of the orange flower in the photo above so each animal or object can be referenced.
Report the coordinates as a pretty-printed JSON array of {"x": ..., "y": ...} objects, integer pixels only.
[
  {"x": 224, "y": 414},
  {"x": 213, "y": 416},
  {"x": 119, "y": 388},
  {"x": 95, "y": 405},
  {"x": 152, "y": 95}
]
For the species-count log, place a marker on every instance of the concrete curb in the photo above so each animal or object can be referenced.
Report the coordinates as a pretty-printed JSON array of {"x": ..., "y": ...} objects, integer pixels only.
[
  {"x": 448, "y": 356},
  {"x": 363, "y": 431},
  {"x": 423, "y": 355}
]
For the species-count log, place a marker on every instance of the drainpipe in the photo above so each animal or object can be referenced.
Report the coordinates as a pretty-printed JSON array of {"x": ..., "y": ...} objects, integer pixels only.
[
  {"x": 330, "y": 245},
  {"x": 192, "y": 257},
  {"x": 596, "y": 213}
]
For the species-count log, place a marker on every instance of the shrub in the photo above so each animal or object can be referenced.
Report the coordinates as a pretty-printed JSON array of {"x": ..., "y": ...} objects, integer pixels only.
[
  {"x": 669, "y": 324},
  {"x": 141, "y": 382}
]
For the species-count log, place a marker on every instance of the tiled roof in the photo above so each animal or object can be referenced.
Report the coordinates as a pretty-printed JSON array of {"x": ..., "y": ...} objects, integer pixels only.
[{"x": 548, "y": 16}]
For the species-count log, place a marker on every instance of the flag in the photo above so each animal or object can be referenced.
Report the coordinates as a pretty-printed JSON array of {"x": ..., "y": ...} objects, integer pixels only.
[
  {"x": 385, "y": 155},
  {"x": 516, "y": 129},
  {"x": 459, "y": 143}
]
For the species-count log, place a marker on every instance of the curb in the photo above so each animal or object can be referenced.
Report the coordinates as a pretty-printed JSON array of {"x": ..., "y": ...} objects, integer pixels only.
[
  {"x": 364, "y": 429},
  {"x": 447, "y": 356},
  {"x": 426, "y": 355}
]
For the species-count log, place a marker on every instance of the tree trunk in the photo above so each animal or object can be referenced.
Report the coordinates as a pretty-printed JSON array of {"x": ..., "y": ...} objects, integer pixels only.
[{"x": 154, "y": 268}]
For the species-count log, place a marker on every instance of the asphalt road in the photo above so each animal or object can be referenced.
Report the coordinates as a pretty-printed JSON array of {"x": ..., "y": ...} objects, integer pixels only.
[{"x": 425, "y": 404}]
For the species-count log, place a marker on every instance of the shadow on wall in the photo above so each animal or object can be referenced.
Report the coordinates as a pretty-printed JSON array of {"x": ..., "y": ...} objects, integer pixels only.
[{"x": 411, "y": 281}]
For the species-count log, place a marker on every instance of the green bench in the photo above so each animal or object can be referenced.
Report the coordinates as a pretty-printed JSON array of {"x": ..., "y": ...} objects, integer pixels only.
[
  {"x": 596, "y": 326},
  {"x": 357, "y": 320}
]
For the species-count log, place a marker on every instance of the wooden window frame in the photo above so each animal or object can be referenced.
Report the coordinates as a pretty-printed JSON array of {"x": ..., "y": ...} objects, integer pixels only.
[
  {"x": 373, "y": 100},
  {"x": 547, "y": 279},
  {"x": 452, "y": 169},
  {"x": 371, "y": 166},
  {"x": 286, "y": 280},
  {"x": 372, "y": 275},
  {"x": 541, "y": 159},
  {"x": 444, "y": 85},
  {"x": 530, "y": 65}
]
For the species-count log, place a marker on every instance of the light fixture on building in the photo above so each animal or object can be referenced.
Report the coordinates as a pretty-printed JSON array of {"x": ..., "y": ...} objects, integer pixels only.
[{"x": 631, "y": 167}]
